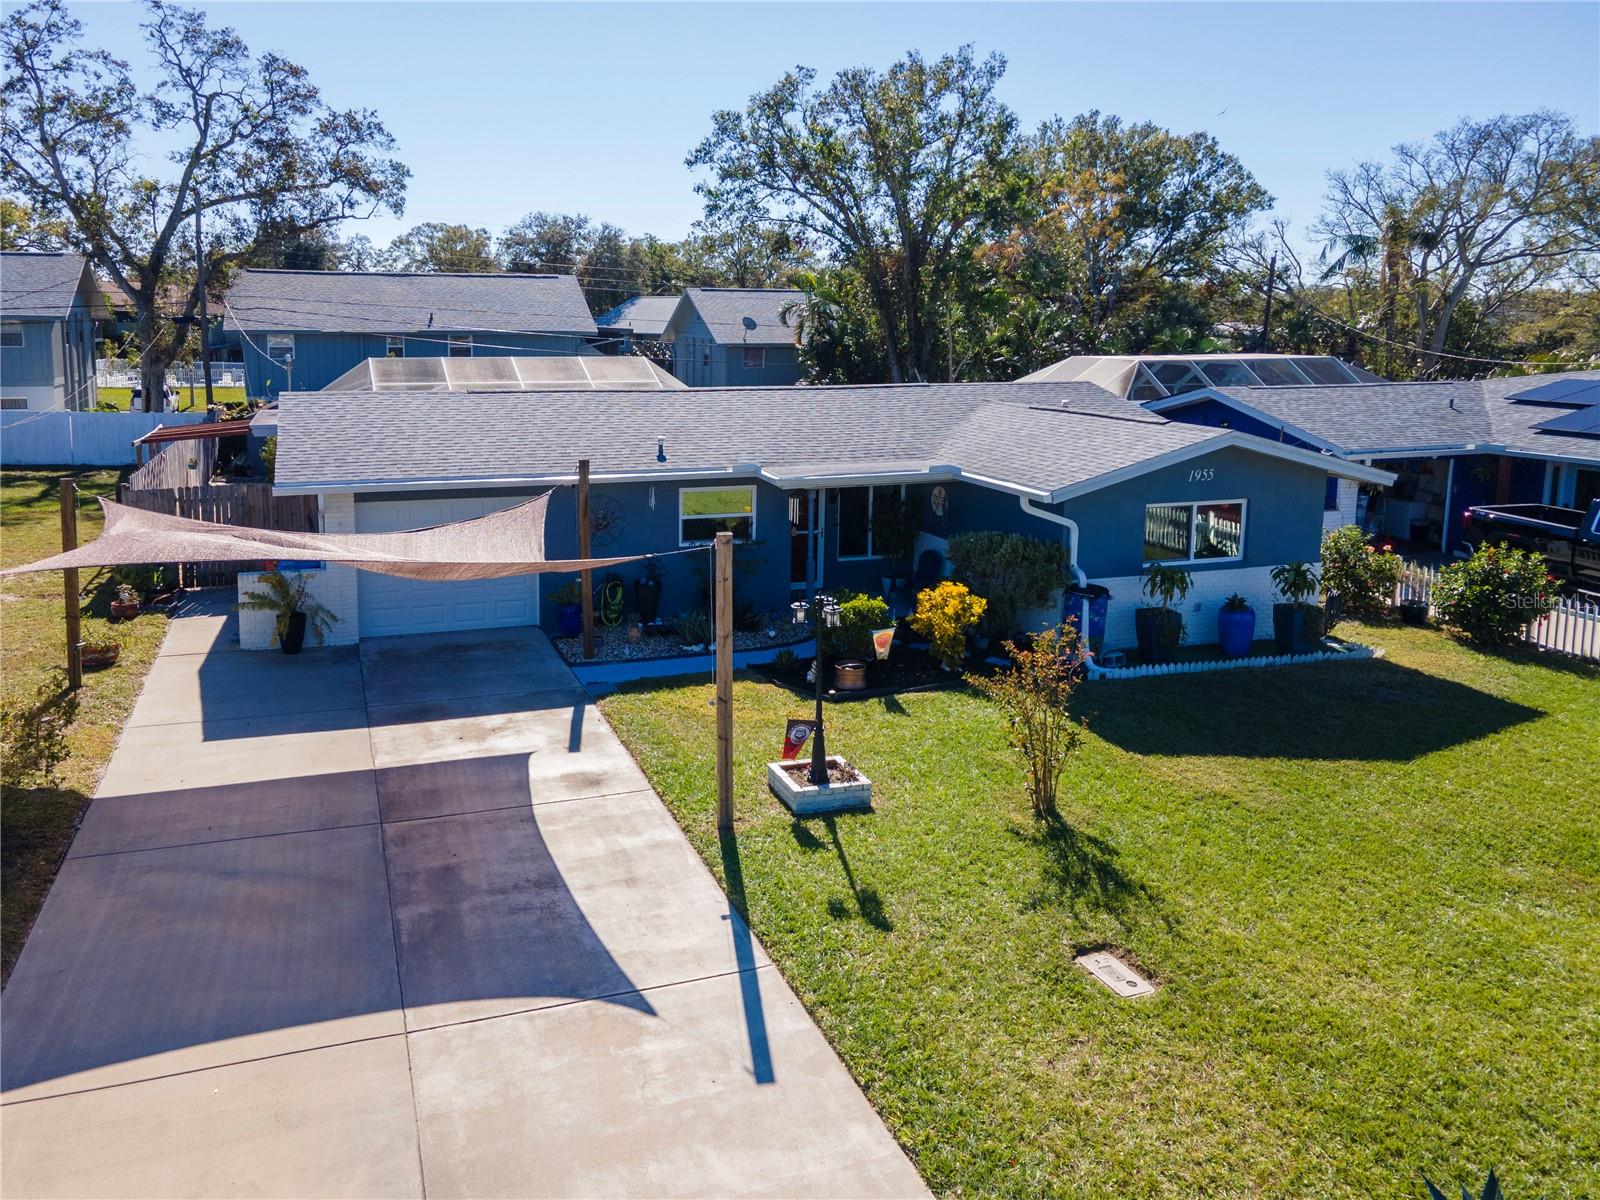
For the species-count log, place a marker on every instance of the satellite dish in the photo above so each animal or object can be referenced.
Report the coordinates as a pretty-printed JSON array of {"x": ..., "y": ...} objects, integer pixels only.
[{"x": 749, "y": 322}]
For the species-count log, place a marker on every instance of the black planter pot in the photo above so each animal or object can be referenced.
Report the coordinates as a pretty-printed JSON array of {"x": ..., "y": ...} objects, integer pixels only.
[
  {"x": 647, "y": 599},
  {"x": 294, "y": 637},
  {"x": 1297, "y": 628},
  {"x": 1414, "y": 612},
  {"x": 1158, "y": 630}
]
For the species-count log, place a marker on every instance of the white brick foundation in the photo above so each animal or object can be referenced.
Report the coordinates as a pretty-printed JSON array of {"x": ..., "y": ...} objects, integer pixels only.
[{"x": 1210, "y": 588}]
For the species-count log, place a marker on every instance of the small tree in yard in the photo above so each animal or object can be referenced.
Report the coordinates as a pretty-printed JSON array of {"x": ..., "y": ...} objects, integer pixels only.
[
  {"x": 1356, "y": 571},
  {"x": 33, "y": 734},
  {"x": 1494, "y": 595},
  {"x": 1035, "y": 694}
]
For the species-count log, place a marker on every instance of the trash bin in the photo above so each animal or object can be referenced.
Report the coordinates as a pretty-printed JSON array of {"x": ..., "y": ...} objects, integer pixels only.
[{"x": 1098, "y": 600}]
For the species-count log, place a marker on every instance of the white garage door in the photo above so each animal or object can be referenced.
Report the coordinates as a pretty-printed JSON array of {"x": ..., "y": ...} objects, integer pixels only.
[{"x": 389, "y": 605}]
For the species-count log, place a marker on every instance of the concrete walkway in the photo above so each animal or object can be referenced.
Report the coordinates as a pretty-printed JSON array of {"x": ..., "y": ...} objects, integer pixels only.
[{"x": 399, "y": 923}]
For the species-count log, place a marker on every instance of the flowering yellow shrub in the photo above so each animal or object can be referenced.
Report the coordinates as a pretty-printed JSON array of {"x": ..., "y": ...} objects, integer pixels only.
[{"x": 943, "y": 616}]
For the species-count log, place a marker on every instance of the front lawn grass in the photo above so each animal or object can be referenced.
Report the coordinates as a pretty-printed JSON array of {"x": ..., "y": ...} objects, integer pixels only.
[
  {"x": 36, "y": 825},
  {"x": 123, "y": 397},
  {"x": 1369, "y": 892}
]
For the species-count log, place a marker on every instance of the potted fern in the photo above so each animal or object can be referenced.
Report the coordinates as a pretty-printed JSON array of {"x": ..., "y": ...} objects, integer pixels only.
[
  {"x": 1159, "y": 627},
  {"x": 1236, "y": 626},
  {"x": 1297, "y": 622},
  {"x": 293, "y": 609}
]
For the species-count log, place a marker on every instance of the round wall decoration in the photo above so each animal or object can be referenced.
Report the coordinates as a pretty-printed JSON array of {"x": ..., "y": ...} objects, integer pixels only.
[
  {"x": 605, "y": 520},
  {"x": 940, "y": 499}
]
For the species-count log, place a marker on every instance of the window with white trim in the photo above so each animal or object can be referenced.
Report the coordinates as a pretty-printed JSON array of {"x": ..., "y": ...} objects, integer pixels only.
[
  {"x": 11, "y": 337},
  {"x": 280, "y": 348},
  {"x": 705, "y": 512},
  {"x": 394, "y": 347},
  {"x": 755, "y": 358},
  {"x": 460, "y": 345},
  {"x": 1209, "y": 531},
  {"x": 857, "y": 510}
]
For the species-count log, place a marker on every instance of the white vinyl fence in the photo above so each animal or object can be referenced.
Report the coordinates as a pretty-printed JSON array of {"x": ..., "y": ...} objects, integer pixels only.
[
  {"x": 1572, "y": 627},
  {"x": 78, "y": 439}
]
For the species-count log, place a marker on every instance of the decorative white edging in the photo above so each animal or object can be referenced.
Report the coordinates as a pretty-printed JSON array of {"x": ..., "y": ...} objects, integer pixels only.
[
  {"x": 1232, "y": 664},
  {"x": 807, "y": 799}
]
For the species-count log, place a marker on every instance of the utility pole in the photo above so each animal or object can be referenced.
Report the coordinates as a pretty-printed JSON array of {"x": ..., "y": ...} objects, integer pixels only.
[
  {"x": 205, "y": 318},
  {"x": 69, "y": 583},
  {"x": 723, "y": 608},
  {"x": 583, "y": 552},
  {"x": 1266, "y": 317}
]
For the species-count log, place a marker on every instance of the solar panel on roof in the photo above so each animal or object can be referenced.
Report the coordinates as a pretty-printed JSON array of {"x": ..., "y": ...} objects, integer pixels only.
[
  {"x": 1584, "y": 421},
  {"x": 1561, "y": 391}
]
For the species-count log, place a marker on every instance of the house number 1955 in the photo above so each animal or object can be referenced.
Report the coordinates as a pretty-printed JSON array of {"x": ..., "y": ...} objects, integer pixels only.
[{"x": 1202, "y": 475}]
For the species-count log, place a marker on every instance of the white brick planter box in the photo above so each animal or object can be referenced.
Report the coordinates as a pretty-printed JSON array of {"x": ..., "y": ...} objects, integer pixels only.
[{"x": 805, "y": 799}]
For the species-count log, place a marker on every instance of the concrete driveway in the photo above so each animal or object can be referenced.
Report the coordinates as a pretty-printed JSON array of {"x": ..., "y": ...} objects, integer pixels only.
[{"x": 403, "y": 922}]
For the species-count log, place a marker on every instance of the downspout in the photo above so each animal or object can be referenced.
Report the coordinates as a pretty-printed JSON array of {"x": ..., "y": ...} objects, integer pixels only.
[{"x": 1071, "y": 526}]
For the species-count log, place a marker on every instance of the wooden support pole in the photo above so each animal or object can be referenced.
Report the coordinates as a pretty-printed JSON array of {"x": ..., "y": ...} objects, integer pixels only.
[
  {"x": 724, "y": 618},
  {"x": 69, "y": 584},
  {"x": 583, "y": 552}
]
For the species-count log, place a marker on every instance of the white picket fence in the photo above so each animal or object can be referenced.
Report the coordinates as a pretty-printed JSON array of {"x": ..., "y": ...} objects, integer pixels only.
[{"x": 1572, "y": 627}]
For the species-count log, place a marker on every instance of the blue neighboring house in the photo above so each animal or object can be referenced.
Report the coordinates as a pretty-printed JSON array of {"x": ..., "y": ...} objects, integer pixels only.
[
  {"x": 735, "y": 337},
  {"x": 1116, "y": 485},
  {"x": 50, "y": 304},
  {"x": 301, "y": 330},
  {"x": 1451, "y": 444},
  {"x": 635, "y": 325}
]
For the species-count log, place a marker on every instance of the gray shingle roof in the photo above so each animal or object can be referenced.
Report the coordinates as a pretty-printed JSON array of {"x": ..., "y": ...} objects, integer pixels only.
[
  {"x": 393, "y": 302},
  {"x": 724, "y": 311},
  {"x": 36, "y": 284},
  {"x": 1359, "y": 418},
  {"x": 642, "y": 315},
  {"x": 1038, "y": 437}
]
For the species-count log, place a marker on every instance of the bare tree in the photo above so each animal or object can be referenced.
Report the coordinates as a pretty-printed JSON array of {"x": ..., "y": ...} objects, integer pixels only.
[
  {"x": 1487, "y": 210},
  {"x": 256, "y": 149}
]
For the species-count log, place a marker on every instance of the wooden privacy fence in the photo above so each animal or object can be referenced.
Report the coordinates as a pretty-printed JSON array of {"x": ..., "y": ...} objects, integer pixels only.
[
  {"x": 249, "y": 504},
  {"x": 1572, "y": 627},
  {"x": 177, "y": 465}
]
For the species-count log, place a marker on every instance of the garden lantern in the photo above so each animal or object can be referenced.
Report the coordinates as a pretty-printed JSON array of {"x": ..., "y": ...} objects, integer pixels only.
[{"x": 823, "y": 611}]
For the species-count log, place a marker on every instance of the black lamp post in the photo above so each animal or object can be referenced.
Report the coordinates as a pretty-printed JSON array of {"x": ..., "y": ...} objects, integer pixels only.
[{"x": 823, "y": 612}]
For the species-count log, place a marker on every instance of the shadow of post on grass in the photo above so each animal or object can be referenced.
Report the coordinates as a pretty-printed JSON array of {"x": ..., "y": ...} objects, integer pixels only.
[{"x": 868, "y": 903}]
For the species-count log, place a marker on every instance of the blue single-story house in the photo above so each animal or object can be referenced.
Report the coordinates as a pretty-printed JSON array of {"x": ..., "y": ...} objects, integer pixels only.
[
  {"x": 638, "y": 321},
  {"x": 735, "y": 337},
  {"x": 301, "y": 330},
  {"x": 796, "y": 474},
  {"x": 50, "y": 304}
]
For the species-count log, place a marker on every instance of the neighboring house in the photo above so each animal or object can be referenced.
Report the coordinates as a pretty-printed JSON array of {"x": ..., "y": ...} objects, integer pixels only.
[
  {"x": 638, "y": 322},
  {"x": 49, "y": 306},
  {"x": 303, "y": 329},
  {"x": 546, "y": 372},
  {"x": 735, "y": 337},
  {"x": 1117, "y": 485},
  {"x": 1532, "y": 439}
]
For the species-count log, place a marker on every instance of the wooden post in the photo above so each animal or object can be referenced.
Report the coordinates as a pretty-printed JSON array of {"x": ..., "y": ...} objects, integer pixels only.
[
  {"x": 583, "y": 552},
  {"x": 724, "y": 618},
  {"x": 69, "y": 583}
]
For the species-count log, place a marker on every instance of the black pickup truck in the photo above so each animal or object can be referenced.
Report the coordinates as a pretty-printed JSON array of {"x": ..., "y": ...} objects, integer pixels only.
[{"x": 1569, "y": 538}]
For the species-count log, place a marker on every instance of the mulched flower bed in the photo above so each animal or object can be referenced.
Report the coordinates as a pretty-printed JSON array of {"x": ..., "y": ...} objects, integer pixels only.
[
  {"x": 800, "y": 772},
  {"x": 611, "y": 644},
  {"x": 908, "y": 669}
]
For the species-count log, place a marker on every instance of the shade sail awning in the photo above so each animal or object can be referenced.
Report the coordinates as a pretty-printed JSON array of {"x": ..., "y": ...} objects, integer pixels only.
[{"x": 509, "y": 542}]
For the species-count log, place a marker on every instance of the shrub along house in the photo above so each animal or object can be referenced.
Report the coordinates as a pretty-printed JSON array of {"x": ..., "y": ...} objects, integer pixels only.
[
  {"x": 735, "y": 337},
  {"x": 49, "y": 306},
  {"x": 303, "y": 329},
  {"x": 798, "y": 476},
  {"x": 1450, "y": 444}
]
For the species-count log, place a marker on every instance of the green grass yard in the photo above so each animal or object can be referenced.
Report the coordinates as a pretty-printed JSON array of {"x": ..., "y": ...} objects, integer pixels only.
[
  {"x": 36, "y": 825},
  {"x": 122, "y": 397},
  {"x": 1370, "y": 893}
]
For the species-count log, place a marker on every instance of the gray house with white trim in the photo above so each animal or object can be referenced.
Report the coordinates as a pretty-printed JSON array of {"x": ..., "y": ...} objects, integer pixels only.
[
  {"x": 50, "y": 303},
  {"x": 735, "y": 337}
]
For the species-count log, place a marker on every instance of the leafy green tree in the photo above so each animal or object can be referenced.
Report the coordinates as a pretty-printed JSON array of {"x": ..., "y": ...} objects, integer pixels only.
[
  {"x": 23, "y": 229},
  {"x": 546, "y": 243},
  {"x": 898, "y": 175},
  {"x": 252, "y": 144},
  {"x": 440, "y": 246}
]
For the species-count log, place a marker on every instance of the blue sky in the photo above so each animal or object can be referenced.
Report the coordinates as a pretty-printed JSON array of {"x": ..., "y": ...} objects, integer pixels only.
[{"x": 504, "y": 108}]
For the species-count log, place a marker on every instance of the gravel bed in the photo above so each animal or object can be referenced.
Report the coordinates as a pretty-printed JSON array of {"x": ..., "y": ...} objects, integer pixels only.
[{"x": 611, "y": 645}]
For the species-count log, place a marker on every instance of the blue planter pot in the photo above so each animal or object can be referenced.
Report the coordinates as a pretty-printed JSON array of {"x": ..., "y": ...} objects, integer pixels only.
[
  {"x": 569, "y": 620},
  {"x": 1236, "y": 630}
]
